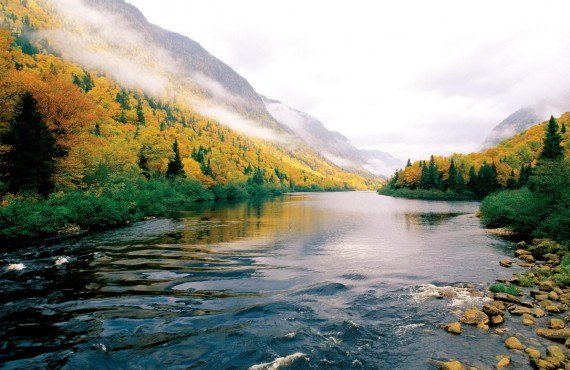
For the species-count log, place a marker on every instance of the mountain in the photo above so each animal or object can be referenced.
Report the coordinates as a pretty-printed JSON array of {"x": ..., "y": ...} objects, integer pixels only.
[
  {"x": 119, "y": 92},
  {"x": 330, "y": 144},
  {"x": 207, "y": 77},
  {"x": 513, "y": 124}
]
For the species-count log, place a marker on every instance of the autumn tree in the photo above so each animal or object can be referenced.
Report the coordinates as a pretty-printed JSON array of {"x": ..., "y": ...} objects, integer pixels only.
[{"x": 30, "y": 163}]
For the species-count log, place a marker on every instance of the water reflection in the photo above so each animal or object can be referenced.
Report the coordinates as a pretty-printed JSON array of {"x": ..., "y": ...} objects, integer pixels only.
[{"x": 230, "y": 285}]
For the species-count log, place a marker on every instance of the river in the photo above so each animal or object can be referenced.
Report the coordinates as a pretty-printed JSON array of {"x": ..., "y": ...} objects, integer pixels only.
[{"x": 316, "y": 280}]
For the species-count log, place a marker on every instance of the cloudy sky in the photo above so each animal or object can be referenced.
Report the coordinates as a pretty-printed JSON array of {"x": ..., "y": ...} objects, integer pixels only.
[{"x": 408, "y": 77}]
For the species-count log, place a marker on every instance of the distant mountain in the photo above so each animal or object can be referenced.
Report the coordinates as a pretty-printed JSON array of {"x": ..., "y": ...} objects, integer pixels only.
[
  {"x": 330, "y": 144},
  {"x": 513, "y": 124}
]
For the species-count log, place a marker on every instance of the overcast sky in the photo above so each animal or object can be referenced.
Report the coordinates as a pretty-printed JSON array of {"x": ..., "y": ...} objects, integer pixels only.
[{"x": 407, "y": 77}]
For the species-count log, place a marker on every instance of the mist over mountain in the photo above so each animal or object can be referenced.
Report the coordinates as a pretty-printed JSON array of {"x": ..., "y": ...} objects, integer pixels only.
[
  {"x": 330, "y": 144},
  {"x": 167, "y": 62},
  {"x": 516, "y": 123}
]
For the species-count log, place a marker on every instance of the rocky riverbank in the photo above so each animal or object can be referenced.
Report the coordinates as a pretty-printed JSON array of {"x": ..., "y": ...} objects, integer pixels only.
[{"x": 538, "y": 297}]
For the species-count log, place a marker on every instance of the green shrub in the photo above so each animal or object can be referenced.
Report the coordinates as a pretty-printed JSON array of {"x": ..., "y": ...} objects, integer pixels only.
[
  {"x": 502, "y": 288},
  {"x": 518, "y": 209},
  {"x": 526, "y": 281}
]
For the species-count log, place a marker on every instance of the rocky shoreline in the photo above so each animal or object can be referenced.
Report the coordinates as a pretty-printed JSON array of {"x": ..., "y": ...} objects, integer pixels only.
[{"x": 538, "y": 297}]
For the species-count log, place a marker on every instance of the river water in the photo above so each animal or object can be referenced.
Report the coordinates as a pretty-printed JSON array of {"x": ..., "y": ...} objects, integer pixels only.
[{"x": 329, "y": 280}]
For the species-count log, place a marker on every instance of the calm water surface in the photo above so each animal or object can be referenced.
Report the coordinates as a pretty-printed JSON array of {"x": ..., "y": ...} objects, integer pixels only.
[{"x": 337, "y": 280}]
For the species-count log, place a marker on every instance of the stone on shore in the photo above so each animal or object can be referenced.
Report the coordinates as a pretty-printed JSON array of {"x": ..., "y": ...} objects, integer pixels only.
[
  {"x": 505, "y": 298},
  {"x": 474, "y": 316},
  {"x": 452, "y": 365},
  {"x": 532, "y": 352},
  {"x": 528, "y": 319},
  {"x": 505, "y": 262},
  {"x": 504, "y": 362},
  {"x": 497, "y": 319},
  {"x": 555, "y": 355},
  {"x": 559, "y": 335},
  {"x": 453, "y": 328},
  {"x": 555, "y": 308},
  {"x": 519, "y": 310},
  {"x": 513, "y": 343},
  {"x": 492, "y": 309},
  {"x": 556, "y": 324}
]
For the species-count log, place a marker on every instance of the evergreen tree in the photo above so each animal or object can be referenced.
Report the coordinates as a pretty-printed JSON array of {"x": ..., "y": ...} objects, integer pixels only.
[
  {"x": 512, "y": 181},
  {"x": 452, "y": 178},
  {"x": 552, "y": 149},
  {"x": 175, "y": 167},
  {"x": 460, "y": 183},
  {"x": 409, "y": 164},
  {"x": 433, "y": 175},
  {"x": 140, "y": 114},
  {"x": 143, "y": 164},
  {"x": 122, "y": 118},
  {"x": 524, "y": 176},
  {"x": 424, "y": 179},
  {"x": 30, "y": 163},
  {"x": 472, "y": 183},
  {"x": 123, "y": 99},
  {"x": 563, "y": 129}
]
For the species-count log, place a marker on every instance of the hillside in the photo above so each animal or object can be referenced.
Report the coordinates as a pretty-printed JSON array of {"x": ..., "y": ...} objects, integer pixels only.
[
  {"x": 510, "y": 126},
  {"x": 504, "y": 166},
  {"x": 124, "y": 96}
]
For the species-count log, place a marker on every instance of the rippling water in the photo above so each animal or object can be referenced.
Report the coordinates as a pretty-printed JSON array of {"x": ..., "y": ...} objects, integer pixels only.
[{"x": 334, "y": 280}]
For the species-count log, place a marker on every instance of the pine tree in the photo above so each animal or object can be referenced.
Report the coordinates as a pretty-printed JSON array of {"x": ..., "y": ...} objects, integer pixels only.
[
  {"x": 452, "y": 178},
  {"x": 30, "y": 163},
  {"x": 512, "y": 181},
  {"x": 143, "y": 164},
  {"x": 472, "y": 183},
  {"x": 552, "y": 149},
  {"x": 140, "y": 114},
  {"x": 175, "y": 167},
  {"x": 409, "y": 164},
  {"x": 563, "y": 129},
  {"x": 424, "y": 179},
  {"x": 524, "y": 176}
]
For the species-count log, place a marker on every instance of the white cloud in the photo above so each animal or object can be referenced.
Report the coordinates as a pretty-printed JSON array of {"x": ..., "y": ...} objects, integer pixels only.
[{"x": 417, "y": 76}]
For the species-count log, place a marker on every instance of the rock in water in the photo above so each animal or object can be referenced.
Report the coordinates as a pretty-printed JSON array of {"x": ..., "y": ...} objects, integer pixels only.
[
  {"x": 454, "y": 328},
  {"x": 513, "y": 343},
  {"x": 532, "y": 352},
  {"x": 452, "y": 365},
  {"x": 474, "y": 316},
  {"x": 556, "y": 324},
  {"x": 556, "y": 335},
  {"x": 504, "y": 362},
  {"x": 505, "y": 262}
]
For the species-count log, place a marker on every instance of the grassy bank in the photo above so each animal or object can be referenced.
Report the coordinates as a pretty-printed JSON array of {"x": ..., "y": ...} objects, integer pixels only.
[
  {"x": 116, "y": 202},
  {"x": 424, "y": 194}
]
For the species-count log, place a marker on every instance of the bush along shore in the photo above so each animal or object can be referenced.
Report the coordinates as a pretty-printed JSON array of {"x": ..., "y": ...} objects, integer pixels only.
[{"x": 538, "y": 297}]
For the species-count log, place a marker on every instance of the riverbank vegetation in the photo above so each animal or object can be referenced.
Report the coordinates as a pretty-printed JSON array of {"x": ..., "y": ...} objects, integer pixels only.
[
  {"x": 80, "y": 151},
  {"x": 533, "y": 200}
]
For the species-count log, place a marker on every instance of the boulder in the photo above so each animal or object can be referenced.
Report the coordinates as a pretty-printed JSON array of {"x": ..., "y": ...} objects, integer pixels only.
[
  {"x": 528, "y": 258},
  {"x": 556, "y": 324},
  {"x": 546, "y": 285},
  {"x": 543, "y": 364},
  {"x": 513, "y": 343},
  {"x": 519, "y": 310},
  {"x": 555, "y": 308},
  {"x": 553, "y": 295},
  {"x": 505, "y": 262},
  {"x": 474, "y": 316},
  {"x": 522, "y": 245},
  {"x": 528, "y": 319},
  {"x": 520, "y": 252},
  {"x": 505, "y": 297},
  {"x": 559, "y": 335},
  {"x": 541, "y": 297},
  {"x": 503, "y": 363},
  {"x": 537, "y": 312},
  {"x": 453, "y": 328},
  {"x": 532, "y": 352},
  {"x": 497, "y": 319},
  {"x": 500, "y": 331},
  {"x": 555, "y": 352},
  {"x": 492, "y": 310},
  {"x": 452, "y": 365},
  {"x": 483, "y": 326}
]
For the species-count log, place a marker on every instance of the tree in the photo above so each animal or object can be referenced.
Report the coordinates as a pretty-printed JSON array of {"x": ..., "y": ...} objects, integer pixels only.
[
  {"x": 142, "y": 162},
  {"x": 140, "y": 113},
  {"x": 472, "y": 183},
  {"x": 175, "y": 167},
  {"x": 452, "y": 177},
  {"x": 512, "y": 181},
  {"x": 563, "y": 129},
  {"x": 409, "y": 164},
  {"x": 30, "y": 163},
  {"x": 552, "y": 149}
]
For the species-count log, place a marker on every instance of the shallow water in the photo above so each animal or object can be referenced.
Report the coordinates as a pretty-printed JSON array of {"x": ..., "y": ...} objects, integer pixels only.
[{"x": 333, "y": 280}]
